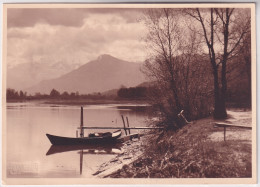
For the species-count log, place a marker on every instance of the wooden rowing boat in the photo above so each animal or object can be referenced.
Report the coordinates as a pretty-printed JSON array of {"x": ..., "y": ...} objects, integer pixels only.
[{"x": 98, "y": 138}]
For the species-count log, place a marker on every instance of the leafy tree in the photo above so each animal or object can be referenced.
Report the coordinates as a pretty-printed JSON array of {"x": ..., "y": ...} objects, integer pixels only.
[
  {"x": 72, "y": 94},
  {"x": 54, "y": 93},
  {"x": 21, "y": 94},
  {"x": 11, "y": 94},
  {"x": 65, "y": 95}
]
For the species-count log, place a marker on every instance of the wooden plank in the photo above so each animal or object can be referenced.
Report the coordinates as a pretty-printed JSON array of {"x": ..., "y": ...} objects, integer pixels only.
[
  {"x": 128, "y": 137},
  {"x": 232, "y": 125},
  {"x": 121, "y": 127},
  {"x": 225, "y": 125}
]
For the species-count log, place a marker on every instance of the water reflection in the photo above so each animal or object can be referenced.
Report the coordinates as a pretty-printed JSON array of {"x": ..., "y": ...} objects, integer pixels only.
[
  {"x": 139, "y": 110},
  {"x": 26, "y": 142},
  {"x": 86, "y": 149}
]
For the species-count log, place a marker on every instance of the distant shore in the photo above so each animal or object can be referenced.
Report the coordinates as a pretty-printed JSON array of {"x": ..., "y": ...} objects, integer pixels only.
[{"x": 82, "y": 101}]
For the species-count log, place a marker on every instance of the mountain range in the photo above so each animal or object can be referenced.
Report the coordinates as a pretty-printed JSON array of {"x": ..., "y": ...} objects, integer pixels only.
[
  {"x": 104, "y": 73},
  {"x": 26, "y": 75}
]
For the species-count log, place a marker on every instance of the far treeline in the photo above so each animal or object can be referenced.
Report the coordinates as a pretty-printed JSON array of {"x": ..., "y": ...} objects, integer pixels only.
[
  {"x": 132, "y": 93},
  {"x": 238, "y": 96}
]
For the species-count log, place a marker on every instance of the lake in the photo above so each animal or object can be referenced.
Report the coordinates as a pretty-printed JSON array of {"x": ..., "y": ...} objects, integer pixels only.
[{"x": 27, "y": 144}]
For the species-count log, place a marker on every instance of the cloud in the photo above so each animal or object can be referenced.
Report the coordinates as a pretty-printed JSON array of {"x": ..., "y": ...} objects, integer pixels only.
[
  {"x": 28, "y": 17},
  {"x": 43, "y": 39}
]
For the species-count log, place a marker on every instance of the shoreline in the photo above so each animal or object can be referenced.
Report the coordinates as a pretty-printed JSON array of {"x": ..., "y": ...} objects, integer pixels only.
[
  {"x": 131, "y": 151},
  {"x": 195, "y": 151},
  {"x": 80, "y": 101}
]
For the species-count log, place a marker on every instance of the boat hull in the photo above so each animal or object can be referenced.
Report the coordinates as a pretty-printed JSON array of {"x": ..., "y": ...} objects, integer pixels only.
[{"x": 59, "y": 140}]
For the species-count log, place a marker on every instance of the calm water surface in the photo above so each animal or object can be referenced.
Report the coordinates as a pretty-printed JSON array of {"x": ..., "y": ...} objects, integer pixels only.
[{"x": 27, "y": 144}]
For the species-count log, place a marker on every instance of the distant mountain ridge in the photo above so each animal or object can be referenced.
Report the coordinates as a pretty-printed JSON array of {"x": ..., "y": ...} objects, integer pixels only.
[
  {"x": 28, "y": 74},
  {"x": 104, "y": 73}
]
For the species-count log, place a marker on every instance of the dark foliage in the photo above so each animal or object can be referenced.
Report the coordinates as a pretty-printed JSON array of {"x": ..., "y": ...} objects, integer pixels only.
[
  {"x": 133, "y": 93},
  {"x": 12, "y": 94}
]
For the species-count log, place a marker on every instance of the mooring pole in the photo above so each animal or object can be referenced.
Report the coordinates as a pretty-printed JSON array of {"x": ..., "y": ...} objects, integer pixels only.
[
  {"x": 128, "y": 125},
  {"x": 81, "y": 123},
  {"x": 124, "y": 124}
]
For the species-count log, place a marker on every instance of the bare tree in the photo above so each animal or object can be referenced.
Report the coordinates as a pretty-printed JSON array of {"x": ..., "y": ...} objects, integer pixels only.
[
  {"x": 173, "y": 66},
  {"x": 239, "y": 75},
  {"x": 222, "y": 37},
  {"x": 246, "y": 55}
]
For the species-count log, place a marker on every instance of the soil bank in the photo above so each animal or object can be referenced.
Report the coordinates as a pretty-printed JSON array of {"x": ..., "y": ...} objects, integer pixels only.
[{"x": 198, "y": 150}]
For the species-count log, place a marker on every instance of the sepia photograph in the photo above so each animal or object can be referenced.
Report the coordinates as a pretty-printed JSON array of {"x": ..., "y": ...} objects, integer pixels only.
[{"x": 105, "y": 93}]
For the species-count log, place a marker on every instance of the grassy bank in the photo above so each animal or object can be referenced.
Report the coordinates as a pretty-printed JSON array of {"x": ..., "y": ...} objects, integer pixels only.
[{"x": 193, "y": 152}]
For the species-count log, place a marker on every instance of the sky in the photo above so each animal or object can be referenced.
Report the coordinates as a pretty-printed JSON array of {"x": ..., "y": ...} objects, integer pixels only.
[{"x": 40, "y": 35}]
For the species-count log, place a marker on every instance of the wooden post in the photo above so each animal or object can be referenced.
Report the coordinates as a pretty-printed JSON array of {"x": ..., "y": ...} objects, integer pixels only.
[
  {"x": 81, "y": 123},
  {"x": 124, "y": 124},
  {"x": 128, "y": 125},
  {"x": 224, "y": 133}
]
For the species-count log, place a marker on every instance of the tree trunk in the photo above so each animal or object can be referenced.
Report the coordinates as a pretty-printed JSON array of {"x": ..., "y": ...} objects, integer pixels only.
[
  {"x": 219, "y": 101},
  {"x": 220, "y": 108},
  {"x": 248, "y": 72}
]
